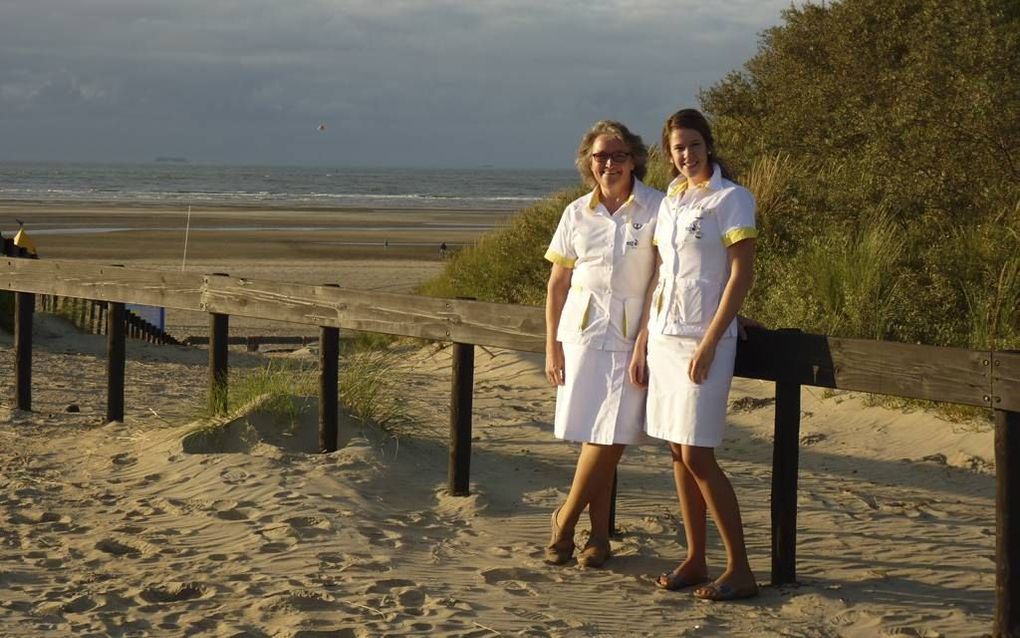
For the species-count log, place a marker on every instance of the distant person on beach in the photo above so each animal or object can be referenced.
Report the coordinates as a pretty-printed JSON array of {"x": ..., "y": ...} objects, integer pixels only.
[
  {"x": 687, "y": 345},
  {"x": 443, "y": 250},
  {"x": 601, "y": 256}
]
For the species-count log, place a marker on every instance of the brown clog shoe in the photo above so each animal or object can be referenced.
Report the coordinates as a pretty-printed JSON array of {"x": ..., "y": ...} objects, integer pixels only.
[{"x": 559, "y": 550}]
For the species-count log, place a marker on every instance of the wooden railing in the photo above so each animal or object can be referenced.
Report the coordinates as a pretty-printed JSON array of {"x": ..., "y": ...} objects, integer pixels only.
[
  {"x": 788, "y": 357},
  {"x": 89, "y": 316}
]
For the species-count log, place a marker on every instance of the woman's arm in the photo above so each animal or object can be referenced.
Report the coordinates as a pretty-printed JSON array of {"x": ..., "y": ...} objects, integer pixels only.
[
  {"x": 638, "y": 370},
  {"x": 556, "y": 296},
  {"x": 741, "y": 260}
]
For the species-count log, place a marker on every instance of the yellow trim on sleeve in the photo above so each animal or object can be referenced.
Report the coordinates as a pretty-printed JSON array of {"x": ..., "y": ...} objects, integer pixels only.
[
  {"x": 655, "y": 242},
  {"x": 559, "y": 259},
  {"x": 739, "y": 234}
]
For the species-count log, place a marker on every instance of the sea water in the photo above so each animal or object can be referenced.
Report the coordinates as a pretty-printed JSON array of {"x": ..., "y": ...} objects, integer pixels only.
[{"x": 184, "y": 184}]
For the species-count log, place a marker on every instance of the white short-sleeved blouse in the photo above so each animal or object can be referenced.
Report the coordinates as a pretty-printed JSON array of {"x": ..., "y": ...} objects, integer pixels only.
[
  {"x": 694, "y": 228},
  {"x": 612, "y": 260}
]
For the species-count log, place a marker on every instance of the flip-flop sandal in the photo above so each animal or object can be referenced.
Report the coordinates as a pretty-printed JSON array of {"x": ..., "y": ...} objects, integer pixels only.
[
  {"x": 670, "y": 581},
  {"x": 725, "y": 592}
]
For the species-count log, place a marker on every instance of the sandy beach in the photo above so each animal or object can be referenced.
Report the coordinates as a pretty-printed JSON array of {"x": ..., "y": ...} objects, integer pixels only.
[
  {"x": 392, "y": 250},
  {"x": 140, "y": 529}
]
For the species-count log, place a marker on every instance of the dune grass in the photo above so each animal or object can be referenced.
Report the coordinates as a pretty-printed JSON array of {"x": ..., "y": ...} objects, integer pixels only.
[{"x": 369, "y": 380}]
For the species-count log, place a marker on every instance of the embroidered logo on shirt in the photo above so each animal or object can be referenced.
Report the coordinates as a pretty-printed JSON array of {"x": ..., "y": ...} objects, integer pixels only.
[
  {"x": 637, "y": 226},
  {"x": 694, "y": 228}
]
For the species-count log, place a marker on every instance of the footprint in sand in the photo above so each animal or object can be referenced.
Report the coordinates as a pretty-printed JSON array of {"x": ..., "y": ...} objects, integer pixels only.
[
  {"x": 385, "y": 585},
  {"x": 310, "y": 526},
  {"x": 307, "y": 600},
  {"x": 234, "y": 476},
  {"x": 131, "y": 549},
  {"x": 39, "y": 517},
  {"x": 380, "y": 537},
  {"x": 78, "y": 605},
  {"x": 277, "y": 546},
  {"x": 231, "y": 515},
  {"x": 174, "y": 592},
  {"x": 546, "y": 621},
  {"x": 123, "y": 459},
  {"x": 514, "y": 580}
]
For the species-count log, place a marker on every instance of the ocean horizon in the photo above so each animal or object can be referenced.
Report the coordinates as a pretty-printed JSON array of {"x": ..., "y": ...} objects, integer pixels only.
[{"x": 177, "y": 182}]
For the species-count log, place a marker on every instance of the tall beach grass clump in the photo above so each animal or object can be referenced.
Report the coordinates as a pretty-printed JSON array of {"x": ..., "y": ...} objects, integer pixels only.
[{"x": 369, "y": 386}]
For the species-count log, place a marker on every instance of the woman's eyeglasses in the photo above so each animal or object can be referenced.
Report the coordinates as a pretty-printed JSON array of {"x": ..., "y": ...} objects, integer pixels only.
[{"x": 603, "y": 158}]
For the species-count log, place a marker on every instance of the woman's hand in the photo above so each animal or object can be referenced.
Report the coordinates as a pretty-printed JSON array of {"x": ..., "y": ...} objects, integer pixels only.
[
  {"x": 700, "y": 363},
  {"x": 554, "y": 364},
  {"x": 743, "y": 323},
  {"x": 637, "y": 371}
]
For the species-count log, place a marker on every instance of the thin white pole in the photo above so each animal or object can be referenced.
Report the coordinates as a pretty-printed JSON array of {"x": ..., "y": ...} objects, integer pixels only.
[{"x": 187, "y": 229}]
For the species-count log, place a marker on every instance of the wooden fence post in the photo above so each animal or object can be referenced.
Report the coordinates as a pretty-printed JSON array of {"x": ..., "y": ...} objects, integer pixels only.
[
  {"x": 461, "y": 391},
  {"x": 104, "y": 317},
  {"x": 613, "y": 532},
  {"x": 24, "y": 307},
  {"x": 785, "y": 462},
  {"x": 329, "y": 398},
  {"x": 116, "y": 350},
  {"x": 1007, "y": 509},
  {"x": 218, "y": 341}
]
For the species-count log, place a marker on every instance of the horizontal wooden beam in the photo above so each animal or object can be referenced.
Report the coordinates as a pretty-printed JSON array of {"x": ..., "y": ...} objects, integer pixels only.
[
  {"x": 500, "y": 325},
  {"x": 953, "y": 375}
]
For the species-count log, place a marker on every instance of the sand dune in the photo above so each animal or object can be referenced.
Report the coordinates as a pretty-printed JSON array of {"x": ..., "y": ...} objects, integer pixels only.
[{"x": 145, "y": 528}]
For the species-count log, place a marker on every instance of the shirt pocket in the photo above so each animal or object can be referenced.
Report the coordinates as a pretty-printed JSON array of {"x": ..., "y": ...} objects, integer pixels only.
[
  {"x": 574, "y": 316},
  {"x": 632, "y": 308},
  {"x": 694, "y": 301}
]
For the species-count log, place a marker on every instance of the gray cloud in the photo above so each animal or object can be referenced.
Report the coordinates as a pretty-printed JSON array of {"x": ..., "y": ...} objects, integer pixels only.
[{"x": 398, "y": 82}]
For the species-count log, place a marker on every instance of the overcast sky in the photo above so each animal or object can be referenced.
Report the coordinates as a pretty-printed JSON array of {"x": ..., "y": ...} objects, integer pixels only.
[{"x": 509, "y": 83}]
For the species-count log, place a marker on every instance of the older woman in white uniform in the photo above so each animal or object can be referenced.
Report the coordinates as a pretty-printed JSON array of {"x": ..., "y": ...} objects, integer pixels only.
[
  {"x": 601, "y": 258},
  {"x": 705, "y": 239}
]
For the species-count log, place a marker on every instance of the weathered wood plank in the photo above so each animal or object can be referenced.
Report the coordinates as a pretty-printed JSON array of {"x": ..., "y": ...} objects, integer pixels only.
[
  {"x": 461, "y": 396},
  {"x": 515, "y": 327},
  {"x": 115, "y": 361},
  {"x": 329, "y": 396},
  {"x": 923, "y": 372},
  {"x": 785, "y": 464},
  {"x": 24, "y": 310},
  {"x": 102, "y": 282},
  {"x": 1007, "y": 523},
  {"x": 1006, "y": 381},
  {"x": 219, "y": 327},
  {"x": 954, "y": 375}
]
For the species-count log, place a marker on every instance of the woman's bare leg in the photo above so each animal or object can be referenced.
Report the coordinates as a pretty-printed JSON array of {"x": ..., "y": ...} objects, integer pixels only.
[
  {"x": 721, "y": 502},
  {"x": 601, "y": 492},
  {"x": 694, "y": 568},
  {"x": 592, "y": 485}
]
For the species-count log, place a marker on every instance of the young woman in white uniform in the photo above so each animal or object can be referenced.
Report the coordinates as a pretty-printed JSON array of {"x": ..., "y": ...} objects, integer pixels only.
[
  {"x": 602, "y": 257},
  {"x": 705, "y": 238}
]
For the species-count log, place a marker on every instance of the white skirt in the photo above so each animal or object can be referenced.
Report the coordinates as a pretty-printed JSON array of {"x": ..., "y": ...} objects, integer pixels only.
[
  {"x": 679, "y": 410},
  {"x": 598, "y": 403}
]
